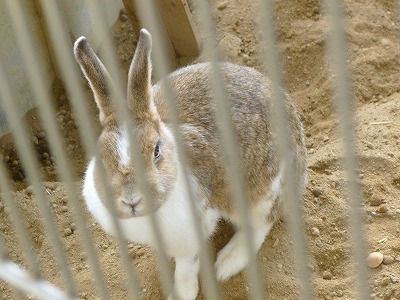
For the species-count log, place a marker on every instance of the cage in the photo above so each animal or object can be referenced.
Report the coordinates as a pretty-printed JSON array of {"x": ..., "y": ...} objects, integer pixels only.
[{"x": 337, "y": 60}]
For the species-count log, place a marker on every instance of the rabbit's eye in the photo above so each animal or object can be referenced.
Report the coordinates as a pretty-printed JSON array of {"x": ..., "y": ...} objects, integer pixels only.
[{"x": 157, "y": 150}]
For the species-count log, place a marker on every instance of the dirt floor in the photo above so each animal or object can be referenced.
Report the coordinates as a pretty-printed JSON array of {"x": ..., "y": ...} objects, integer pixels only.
[{"x": 372, "y": 32}]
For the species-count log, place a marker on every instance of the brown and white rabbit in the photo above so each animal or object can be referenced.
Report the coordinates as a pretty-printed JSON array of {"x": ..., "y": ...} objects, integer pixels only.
[{"x": 250, "y": 98}]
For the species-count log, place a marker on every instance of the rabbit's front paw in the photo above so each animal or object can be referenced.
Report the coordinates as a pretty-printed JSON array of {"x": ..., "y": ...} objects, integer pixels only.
[
  {"x": 186, "y": 281},
  {"x": 187, "y": 291},
  {"x": 231, "y": 259}
]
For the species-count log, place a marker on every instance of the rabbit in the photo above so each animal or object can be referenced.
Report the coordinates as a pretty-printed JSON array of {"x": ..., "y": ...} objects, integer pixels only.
[{"x": 249, "y": 95}]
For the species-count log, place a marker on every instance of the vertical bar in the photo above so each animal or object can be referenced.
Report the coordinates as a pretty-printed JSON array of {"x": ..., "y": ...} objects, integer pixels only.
[
  {"x": 230, "y": 151},
  {"x": 344, "y": 106},
  {"x": 146, "y": 11},
  {"x": 28, "y": 158},
  {"x": 73, "y": 87},
  {"x": 69, "y": 72},
  {"x": 21, "y": 233},
  {"x": 292, "y": 193},
  {"x": 15, "y": 216},
  {"x": 63, "y": 53},
  {"x": 126, "y": 118}
]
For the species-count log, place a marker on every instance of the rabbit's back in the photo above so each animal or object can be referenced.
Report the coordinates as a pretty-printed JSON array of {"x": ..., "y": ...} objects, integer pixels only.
[{"x": 249, "y": 96}]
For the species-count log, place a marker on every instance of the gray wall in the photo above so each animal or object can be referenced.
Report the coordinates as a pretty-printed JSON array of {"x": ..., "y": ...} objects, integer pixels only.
[{"x": 79, "y": 22}]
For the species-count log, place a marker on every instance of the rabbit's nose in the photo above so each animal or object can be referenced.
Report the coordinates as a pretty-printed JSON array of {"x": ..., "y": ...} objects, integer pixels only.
[{"x": 134, "y": 205}]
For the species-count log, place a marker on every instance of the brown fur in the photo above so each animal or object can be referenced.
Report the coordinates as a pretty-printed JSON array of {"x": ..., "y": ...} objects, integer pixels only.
[
  {"x": 261, "y": 166},
  {"x": 98, "y": 77},
  {"x": 249, "y": 95}
]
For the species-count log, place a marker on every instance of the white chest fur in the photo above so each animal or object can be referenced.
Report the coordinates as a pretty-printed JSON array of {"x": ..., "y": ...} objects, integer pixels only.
[{"x": 174, "y": 219}]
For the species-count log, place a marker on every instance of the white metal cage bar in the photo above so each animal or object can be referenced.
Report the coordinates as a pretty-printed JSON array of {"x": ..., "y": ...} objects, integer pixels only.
[
  {"x": 47, "y": 115},
  {"x": 146, "y": 10},
  {"x": 91, "y": 147},
  {"x": 292, "y": 195},
  {"x": 71, "y": 75},
  {"x": 230, "y": 151},
  {"x": 30, "y": 164},
  {"x": 30, "y": 281},
  {"x": 120, "y": 104},
  {"x": 15, "y": 216},
  {"x": 337, "y": 50}
]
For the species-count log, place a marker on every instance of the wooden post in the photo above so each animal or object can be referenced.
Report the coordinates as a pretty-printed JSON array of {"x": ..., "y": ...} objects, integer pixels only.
[{"x": 178, "y": 25}]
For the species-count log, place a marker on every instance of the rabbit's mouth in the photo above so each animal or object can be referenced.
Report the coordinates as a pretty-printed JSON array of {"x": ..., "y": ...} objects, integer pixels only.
[{"x": 134, "y": 208}]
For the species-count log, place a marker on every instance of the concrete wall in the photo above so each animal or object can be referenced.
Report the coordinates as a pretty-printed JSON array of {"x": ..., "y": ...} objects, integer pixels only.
[
  {"x": 11, "y": 61},
  {"x": 79, "y": 22}
]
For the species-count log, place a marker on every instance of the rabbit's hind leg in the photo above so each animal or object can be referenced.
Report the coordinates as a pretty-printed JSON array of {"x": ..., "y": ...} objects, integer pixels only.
[{"x": 233, "y": 258}]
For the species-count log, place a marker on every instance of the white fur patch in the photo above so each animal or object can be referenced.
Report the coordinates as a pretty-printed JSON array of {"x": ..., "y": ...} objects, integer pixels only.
[
  {"x": 186, "y": 281},
  {"x": 123, "y": 147},
  {"x": 233, "y": 258},
  {"x": 174, "y": 219},
  {"x": 276, "y": 183}
]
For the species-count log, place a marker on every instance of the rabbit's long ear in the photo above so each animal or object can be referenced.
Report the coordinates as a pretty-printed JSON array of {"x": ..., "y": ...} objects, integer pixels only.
[
  {"x": 97, "y": 75},
  {"x": 139, "y": 80}
]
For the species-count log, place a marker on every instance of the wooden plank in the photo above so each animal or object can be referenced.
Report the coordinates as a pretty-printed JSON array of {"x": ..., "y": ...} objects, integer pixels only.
[
  {"x": 180, "y": 26},
  {"x": 135, "y": 20},
  {"x": 130, "y": 10}
]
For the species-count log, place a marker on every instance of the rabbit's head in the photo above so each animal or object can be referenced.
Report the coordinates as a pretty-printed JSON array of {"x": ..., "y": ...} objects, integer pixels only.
[{"x": 155, "y": 140}]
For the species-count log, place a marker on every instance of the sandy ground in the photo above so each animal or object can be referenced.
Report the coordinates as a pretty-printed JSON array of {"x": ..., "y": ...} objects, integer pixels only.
[{"x": 372, "y": 30}]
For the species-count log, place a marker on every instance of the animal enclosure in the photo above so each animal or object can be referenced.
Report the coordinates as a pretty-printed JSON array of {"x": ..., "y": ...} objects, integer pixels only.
[{"x": 338, "y": 61}]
